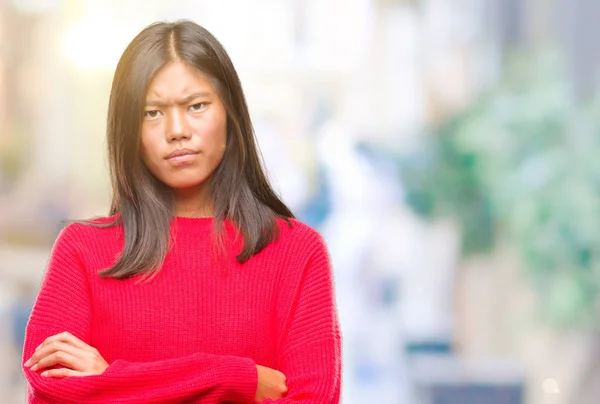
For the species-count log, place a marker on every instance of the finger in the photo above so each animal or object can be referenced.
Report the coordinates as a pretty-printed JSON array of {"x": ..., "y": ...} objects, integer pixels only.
[
  {"x": 52, "y": 347},
  {"x": 63, "y": 372},
  {"x": 65, "y": 337},
  {"x": 68, "y": 338},
  {"x": 60, "y": 358}
]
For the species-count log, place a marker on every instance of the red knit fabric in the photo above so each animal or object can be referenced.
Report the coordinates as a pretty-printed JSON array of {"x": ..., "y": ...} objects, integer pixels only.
[{"x": 195, "y": 331}]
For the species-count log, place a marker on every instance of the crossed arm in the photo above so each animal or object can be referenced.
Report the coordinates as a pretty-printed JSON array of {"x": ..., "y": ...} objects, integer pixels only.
[{"x": 62, "y": 367}]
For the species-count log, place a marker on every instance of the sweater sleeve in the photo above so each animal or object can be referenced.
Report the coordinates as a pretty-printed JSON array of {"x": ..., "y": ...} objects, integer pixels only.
[
  {"x": 310, "y": 354},
  {"x": 64, "y": 304}
]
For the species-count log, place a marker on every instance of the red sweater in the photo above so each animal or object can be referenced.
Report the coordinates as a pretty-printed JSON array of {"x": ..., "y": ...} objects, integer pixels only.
[{"x": 193, "y": 333}]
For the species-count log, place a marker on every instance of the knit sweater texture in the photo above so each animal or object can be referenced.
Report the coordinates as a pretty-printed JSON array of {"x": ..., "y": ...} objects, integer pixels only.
[{"x": 195, "y": 331}]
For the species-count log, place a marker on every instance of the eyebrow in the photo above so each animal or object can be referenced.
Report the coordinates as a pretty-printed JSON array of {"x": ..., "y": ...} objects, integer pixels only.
[{"x": 185, "y": 100}]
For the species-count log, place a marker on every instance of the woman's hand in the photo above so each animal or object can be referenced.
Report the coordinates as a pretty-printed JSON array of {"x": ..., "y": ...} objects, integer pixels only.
[
  {"x": 271, "y": 384},
  {"x": 77, "y": 357}
]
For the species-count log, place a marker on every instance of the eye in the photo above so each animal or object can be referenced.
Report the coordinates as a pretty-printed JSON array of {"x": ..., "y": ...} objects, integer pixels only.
[
  {"x": 198, "y": 107},
  {"x": 152, "y": 114}
]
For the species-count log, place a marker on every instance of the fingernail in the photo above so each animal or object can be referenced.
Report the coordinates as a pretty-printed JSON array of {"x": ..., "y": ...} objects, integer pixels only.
[
  {"x": 28, "y": 363},
  {"x": 34, "y": 367},
  {"x": 45, "y": 374}
]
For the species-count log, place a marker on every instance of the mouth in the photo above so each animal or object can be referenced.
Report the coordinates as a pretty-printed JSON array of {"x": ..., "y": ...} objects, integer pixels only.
[{"x": 182, "y": 156}]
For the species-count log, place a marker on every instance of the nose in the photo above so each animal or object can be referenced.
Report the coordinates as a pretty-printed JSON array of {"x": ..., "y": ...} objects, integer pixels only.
[{"x": 177, "y": 126}]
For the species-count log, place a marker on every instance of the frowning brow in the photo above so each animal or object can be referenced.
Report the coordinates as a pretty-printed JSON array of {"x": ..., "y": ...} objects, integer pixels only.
[{"x": 184, "y": 100}]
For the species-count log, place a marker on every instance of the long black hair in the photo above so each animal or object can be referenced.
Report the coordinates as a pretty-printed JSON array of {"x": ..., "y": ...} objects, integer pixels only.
[{"x": 239, "y": 188}]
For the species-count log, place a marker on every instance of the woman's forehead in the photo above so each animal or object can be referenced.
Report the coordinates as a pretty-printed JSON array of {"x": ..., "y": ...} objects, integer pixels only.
[{"x": 178, "y": 79}]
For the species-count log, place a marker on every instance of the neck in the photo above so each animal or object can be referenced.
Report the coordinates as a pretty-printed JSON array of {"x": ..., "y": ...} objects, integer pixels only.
[{"x": 192, "y": 203}]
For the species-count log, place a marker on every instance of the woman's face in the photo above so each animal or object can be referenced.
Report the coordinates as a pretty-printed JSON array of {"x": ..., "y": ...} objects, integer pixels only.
[{"x": 184, "y": 130}]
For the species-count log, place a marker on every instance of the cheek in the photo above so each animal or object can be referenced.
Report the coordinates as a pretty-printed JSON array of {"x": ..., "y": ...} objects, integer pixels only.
[
  {"x": 216, "y": 138},
  {"x": 220, "y": 145},
  {"x": 148, "y": 151}
]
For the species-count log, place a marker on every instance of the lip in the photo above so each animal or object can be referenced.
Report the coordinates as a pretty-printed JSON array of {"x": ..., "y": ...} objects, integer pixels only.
[
  {"x": 182, "y": 157},
  {"x": 181, "y": 153}
]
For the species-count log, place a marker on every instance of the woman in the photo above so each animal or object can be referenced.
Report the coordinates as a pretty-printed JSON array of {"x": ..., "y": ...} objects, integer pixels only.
[{"x": 201, "y": 286}]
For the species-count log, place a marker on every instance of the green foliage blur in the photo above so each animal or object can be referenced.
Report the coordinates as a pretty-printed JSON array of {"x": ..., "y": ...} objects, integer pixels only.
[{"x": 523, "y": 164}]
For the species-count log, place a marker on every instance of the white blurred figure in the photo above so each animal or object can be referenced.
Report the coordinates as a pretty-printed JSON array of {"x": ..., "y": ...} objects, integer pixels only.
[
  {"x": 360, "y": 202},
  {"x": 286, "y": 176}
]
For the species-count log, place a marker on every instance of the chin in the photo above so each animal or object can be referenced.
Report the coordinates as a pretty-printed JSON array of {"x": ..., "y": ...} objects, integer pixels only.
[
  {"x": 184, "y": 183},
  {"x": 180, "y": 185}
]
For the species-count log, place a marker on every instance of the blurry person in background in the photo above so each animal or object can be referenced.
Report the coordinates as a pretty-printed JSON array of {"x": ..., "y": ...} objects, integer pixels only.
[{"x": 201, "y": 286}]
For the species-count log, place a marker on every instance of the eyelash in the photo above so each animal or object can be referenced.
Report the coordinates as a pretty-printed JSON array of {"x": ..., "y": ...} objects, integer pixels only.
[
  {"x": 200, "y": 106},
  {"x": 147, "y": 114}
]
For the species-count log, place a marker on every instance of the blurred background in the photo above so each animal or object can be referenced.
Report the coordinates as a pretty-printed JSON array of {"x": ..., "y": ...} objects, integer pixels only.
[{"x": 446, "y": 149}]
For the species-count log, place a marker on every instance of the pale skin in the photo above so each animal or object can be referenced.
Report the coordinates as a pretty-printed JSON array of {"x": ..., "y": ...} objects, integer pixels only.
[{"x": 183, "y": 111}]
